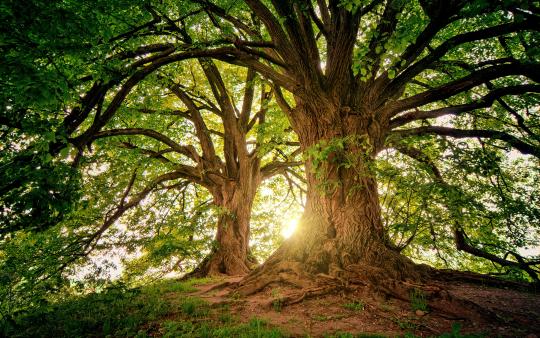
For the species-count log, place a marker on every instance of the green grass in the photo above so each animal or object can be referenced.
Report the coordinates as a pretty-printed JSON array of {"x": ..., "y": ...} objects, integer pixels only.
[
  {"x": 455, "y": 333},
  {"x": 357, "y": 305},
  {"x": 418, "y": 300},
  {"x": 350, "y": 335},
  {"x": 255, "y": 328},
  {"x": 116, "y": 311},
  {"x": 140, "y": 312},
  {"x": 276, "y": 300},
  {"x": 195, "y": 307}
]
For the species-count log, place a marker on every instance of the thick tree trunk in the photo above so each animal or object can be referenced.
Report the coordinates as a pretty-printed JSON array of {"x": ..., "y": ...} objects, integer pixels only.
[
  {"x": 340, "y": 234},
  {"x": 230, "y": 255}
]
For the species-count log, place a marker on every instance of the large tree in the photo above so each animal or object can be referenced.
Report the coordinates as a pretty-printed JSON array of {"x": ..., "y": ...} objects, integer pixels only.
[
  {"x": 86, "y": 84},
  {"x": 230, "y": 153},
  {"x": 354, "y": 78},
  {"x": 367, "y": 76}
]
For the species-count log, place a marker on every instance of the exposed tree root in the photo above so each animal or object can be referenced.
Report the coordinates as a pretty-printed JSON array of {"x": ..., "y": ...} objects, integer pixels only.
[
  {"x": 430, "y": 286},
  {"x": 307, "y": 294},
  {"x": 219, "y": 263},
  {"x": 485, "y": 280}
]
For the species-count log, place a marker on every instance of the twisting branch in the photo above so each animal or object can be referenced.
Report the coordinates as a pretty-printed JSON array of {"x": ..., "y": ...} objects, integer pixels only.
[
  {"x": 460, "y": 237},
  {"x": 466, "y": 83},
  {"x": 201, "y": 129},
  {"x": 188, "y": 151},
  {"x": 484, "y": 102},
  {"x": 277, "y": 167},
  {"x": 139, "y": 75},
  {"x": 247, "y": 102},
  {"x": 402, "y": 79},
  {"x": 283, "y": 44},
  {"x": 213, "y": 8},
  {"x": 151, "y": 153},
  {"x": 123, "y": 206},
  {"x": 523, "y": 147}
]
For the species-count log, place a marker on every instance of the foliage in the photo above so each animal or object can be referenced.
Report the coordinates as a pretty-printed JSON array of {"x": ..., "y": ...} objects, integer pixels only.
[
  {"x": 451, "y": 87},
  {"x": 45, "y": 54},
  {"x": 486, "y": 194},
  {"x": 356, "y": 305},
  {"x": 254, "y": 328},
  {"x": 418, "y": 300},
  {"x": 456, "y": 333},
  {"x": 116, "y": 310}
]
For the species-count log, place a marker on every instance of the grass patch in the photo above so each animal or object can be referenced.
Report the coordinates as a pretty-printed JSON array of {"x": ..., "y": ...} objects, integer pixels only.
[
  {"x": 350, "y": 335},
  {"x": 135, "y": 312},
  {"x": 276, "y": 300},
  {"x": 195, "y": 307},
  {"x": 173, "y": 285},
  {"x": 255, "y": 328},
  {"x": 117, "y": 311},
  {"x": 357, "y": 305},
  {"x": 418, "y": 300}
]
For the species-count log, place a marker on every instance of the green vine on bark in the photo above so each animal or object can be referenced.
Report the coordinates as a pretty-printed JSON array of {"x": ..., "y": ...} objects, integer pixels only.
[{"x": 351, "y": 153}]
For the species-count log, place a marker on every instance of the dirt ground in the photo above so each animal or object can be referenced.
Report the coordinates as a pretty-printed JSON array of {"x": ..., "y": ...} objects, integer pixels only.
[{"x": 498, "y": 312}]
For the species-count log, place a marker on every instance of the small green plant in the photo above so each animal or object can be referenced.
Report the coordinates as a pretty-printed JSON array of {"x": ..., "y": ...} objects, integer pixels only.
[
  {"x": 341, "y": 335},
  {"x": 277, "y": 303},
  {"x": 418, "y": 300},
  {"x": 194, "y": 307},
  {"x": 255, "y": 328},
  {"x": 225, "y": 315},
  {"x": 456, "y": 333},
  {"x": 405, "y": 324},
  {"x": 235, "y": 295},
  {"x": 320, "y": 318},
  {"x": 357, "y": 305},
  {"x": 225, "y": 318}
]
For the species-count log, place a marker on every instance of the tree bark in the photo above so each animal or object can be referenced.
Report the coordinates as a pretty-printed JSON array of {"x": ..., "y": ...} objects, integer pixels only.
[
  {"x": 340, "y": 234},
  {"x": 230, "y": 254}
]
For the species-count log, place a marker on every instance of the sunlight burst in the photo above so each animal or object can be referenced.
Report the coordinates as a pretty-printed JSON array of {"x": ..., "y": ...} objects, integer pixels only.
[{"x": 289, "y": 226}]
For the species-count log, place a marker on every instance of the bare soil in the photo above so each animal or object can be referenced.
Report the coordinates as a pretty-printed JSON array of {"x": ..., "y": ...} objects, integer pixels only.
[{"x": 498, "y": 312}]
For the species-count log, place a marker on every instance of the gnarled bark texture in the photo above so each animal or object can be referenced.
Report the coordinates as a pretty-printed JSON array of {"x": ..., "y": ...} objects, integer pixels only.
[
  {"x": 230, "y": 254},
  {"x": 340, "y": 235},
  {"x": 233, "y": 180}
]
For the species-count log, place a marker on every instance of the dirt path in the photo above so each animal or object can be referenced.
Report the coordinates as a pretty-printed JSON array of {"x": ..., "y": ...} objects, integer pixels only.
[{"x": 508, "y": 313}]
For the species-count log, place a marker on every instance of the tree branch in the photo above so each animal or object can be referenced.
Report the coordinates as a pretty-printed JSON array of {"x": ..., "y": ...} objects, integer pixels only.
[
  {"x": 460, "y": 237},
  {"x": 188, "y": 151},
  {"x": 461, "y": 85},
  {"x": 523, "y": 147},
  {"x": 402, "y": 79},
  {"x": 484, "y": 102}
]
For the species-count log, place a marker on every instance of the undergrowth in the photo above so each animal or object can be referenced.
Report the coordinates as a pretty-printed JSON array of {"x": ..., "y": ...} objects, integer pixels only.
[
  {"x": 255, "y": 328},
  {"x": 158, "y": 310},
  {"x": 115, "y": 311}
]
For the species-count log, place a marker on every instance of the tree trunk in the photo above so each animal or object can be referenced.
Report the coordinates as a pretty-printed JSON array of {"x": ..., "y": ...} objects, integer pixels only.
[
  {"x": 340, "y": 234},
  {"x": 230, "y": 254}
]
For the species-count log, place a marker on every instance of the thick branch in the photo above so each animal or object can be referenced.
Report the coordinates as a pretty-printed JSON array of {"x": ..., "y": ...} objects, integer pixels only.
[
  {"x": 401, "y": 80},
  {"x": 201, "y": 129},
  {"x": 511, "y": 140},
  {"x": 484, "y": 102},
  {"x": 277, "y": 167},
  {"x": 247, "y": 102},
  {"x": 464, "y": 84},
  {"x": 188, "y": 151}
]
